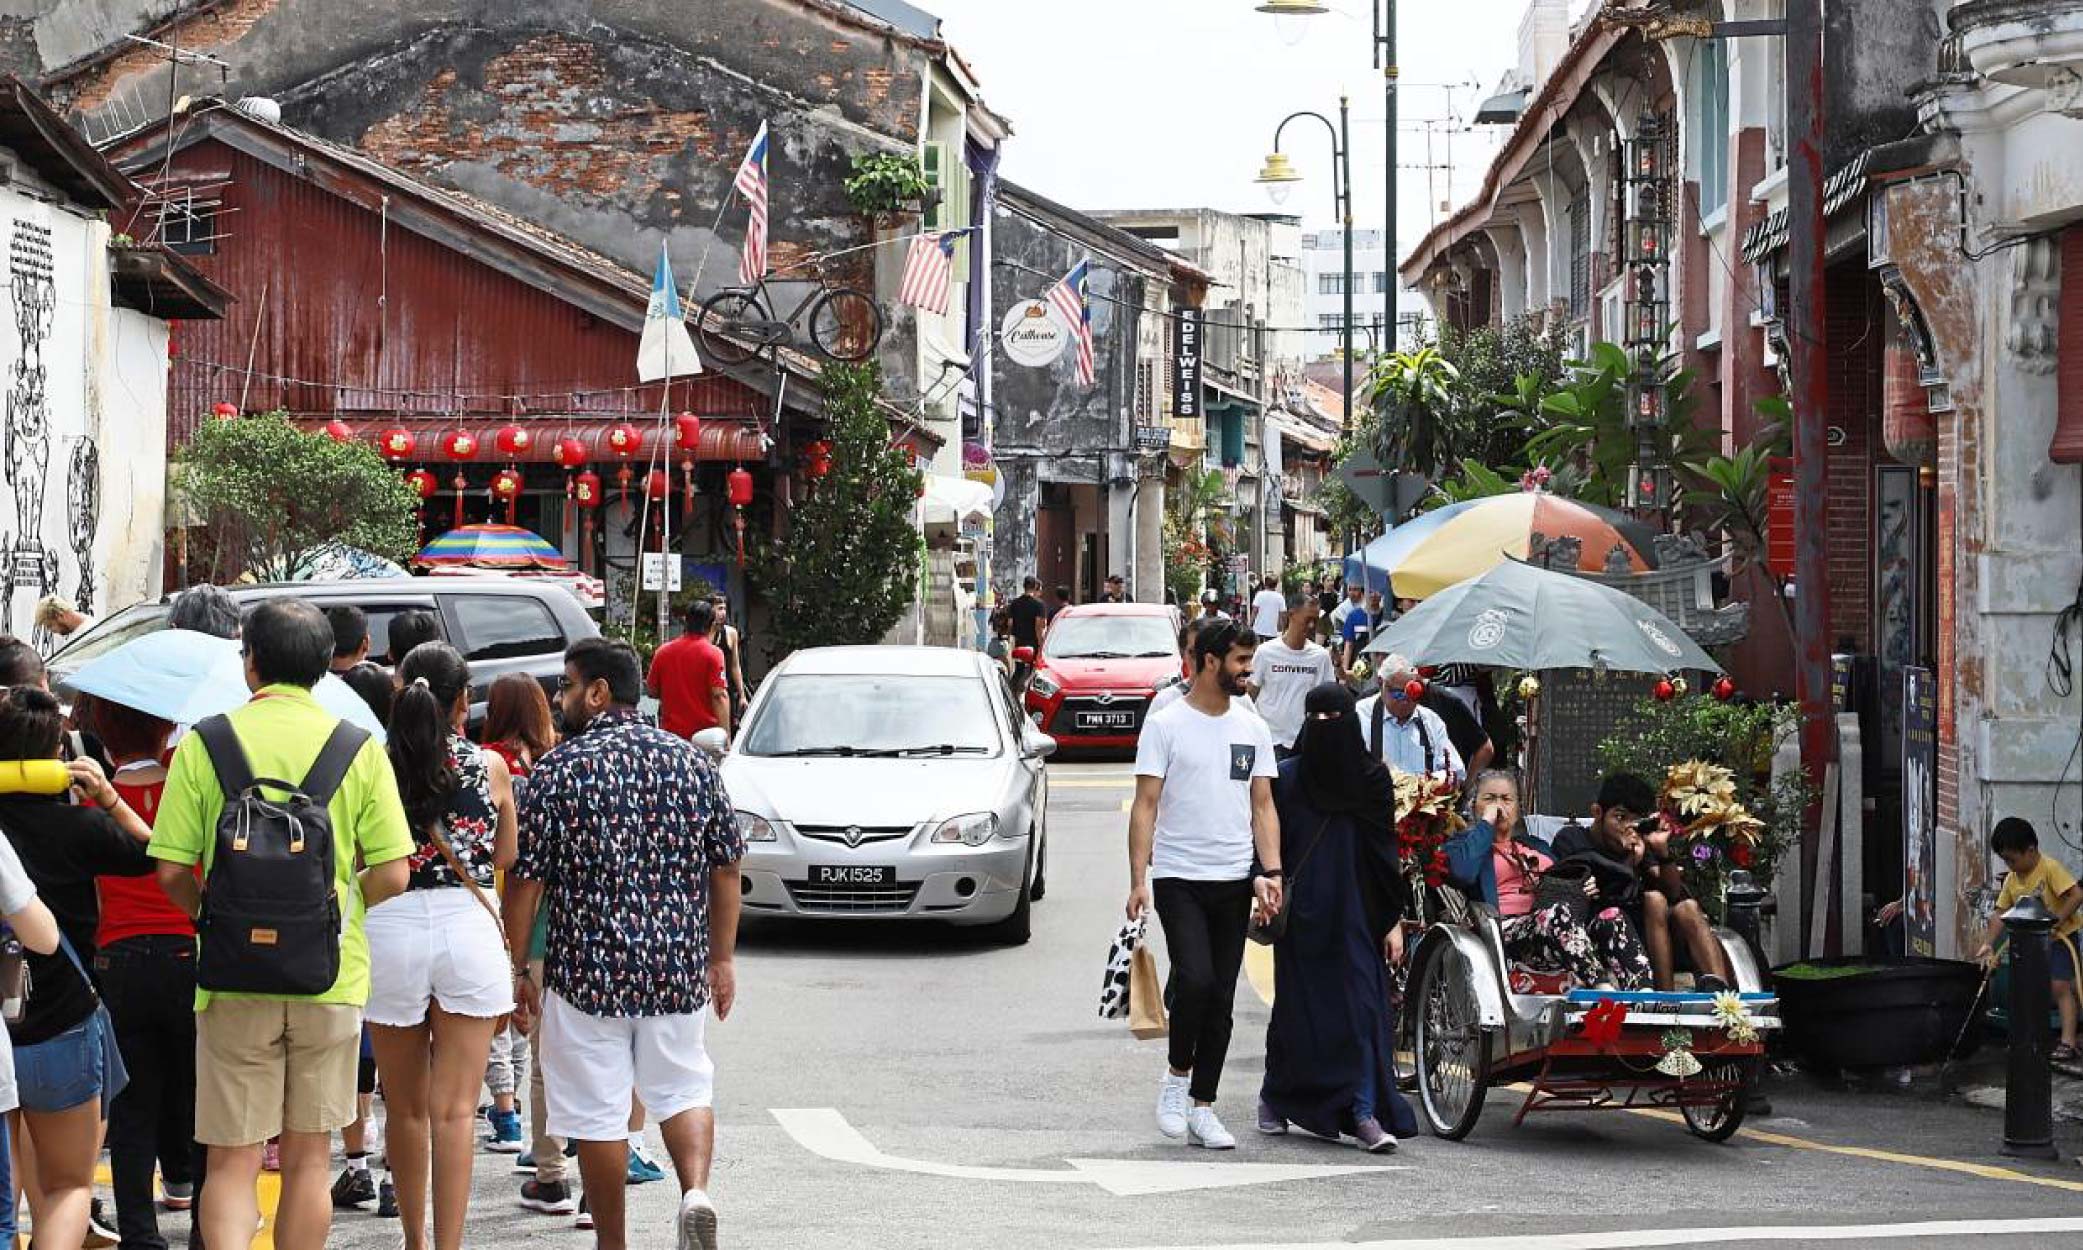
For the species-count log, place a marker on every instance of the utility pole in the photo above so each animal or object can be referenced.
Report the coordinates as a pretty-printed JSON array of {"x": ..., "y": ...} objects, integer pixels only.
[
  {"x": 1808, "y": 345},
  {"x": 1385, "y": 61}
]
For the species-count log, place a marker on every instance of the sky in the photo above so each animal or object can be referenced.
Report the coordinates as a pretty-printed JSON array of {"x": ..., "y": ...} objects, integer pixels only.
[{"x": 1173, "y": 103}]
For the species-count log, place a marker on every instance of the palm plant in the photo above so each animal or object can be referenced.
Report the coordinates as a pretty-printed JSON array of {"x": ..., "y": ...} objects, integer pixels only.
[{"x": 1413, "y": 395}]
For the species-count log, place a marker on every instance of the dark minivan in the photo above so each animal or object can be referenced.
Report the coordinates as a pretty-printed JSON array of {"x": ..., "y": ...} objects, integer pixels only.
[{"x": 500, "y": 625}]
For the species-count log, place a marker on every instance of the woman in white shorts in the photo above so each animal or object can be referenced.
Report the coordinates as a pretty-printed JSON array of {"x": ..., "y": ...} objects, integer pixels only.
[{"x": 440, "y": 983}]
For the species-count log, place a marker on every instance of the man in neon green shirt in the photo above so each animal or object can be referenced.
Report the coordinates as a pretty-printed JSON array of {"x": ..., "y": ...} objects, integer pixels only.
[{"x": 271, "y": 1065}]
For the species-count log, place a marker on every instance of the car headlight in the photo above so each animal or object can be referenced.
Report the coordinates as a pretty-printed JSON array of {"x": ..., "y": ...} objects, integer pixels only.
[
  {"x": 1043, "y": 686},
  {"x": 972, "y": 830},
  {"x": 1163, "y": 684},
  {"x": 754, "y": 828}
]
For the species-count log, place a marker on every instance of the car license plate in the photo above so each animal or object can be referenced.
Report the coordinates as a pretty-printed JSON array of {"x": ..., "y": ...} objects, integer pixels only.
[
  {"x": 1107, "y": 720},
  {"x": 851, "y": 874}
]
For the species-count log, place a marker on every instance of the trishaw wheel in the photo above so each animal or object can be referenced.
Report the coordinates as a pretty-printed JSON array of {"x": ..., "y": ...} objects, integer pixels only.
[
  {"x": 1453, "y": 1053},
  {"x": 1719, "y": 1120}
]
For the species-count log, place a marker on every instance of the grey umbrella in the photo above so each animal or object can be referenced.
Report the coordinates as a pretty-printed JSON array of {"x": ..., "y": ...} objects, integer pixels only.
[{"x": 1519, "y": 616}]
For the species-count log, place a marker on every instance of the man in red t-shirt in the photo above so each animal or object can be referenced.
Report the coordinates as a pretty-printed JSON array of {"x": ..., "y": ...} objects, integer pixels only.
[{"x": 687, "y": 675}]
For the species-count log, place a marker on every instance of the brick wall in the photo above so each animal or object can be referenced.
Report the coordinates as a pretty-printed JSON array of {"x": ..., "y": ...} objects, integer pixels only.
[{"x": 1856, "y": 341}]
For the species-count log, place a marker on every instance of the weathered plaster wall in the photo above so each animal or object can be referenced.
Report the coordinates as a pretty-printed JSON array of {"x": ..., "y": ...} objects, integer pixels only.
[
  {"x": 1866, "y": 98},
  {"x": 1046, "y": 426}
]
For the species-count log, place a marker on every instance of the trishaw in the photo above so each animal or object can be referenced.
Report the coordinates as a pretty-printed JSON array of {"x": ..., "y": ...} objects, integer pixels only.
[{"x": 1472, "y": 1020}]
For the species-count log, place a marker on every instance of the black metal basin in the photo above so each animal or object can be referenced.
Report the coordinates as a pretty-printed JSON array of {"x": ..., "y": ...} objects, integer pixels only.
[{"x": 1892, "y": 1012}]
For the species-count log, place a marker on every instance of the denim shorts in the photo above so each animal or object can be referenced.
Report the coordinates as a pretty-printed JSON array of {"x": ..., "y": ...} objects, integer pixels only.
[{"x": 71, "y": 1068}]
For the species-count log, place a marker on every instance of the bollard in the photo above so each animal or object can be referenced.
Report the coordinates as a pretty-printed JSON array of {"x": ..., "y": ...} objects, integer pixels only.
[
  {"x": 2028, "y": 1099},
  {"x": 1746, "y": 903}
]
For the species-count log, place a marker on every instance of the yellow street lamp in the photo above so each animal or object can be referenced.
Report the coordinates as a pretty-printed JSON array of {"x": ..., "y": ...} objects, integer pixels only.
[
  {"x": 1287, "y": 15},
  {"x": 1278, "y": 177}
]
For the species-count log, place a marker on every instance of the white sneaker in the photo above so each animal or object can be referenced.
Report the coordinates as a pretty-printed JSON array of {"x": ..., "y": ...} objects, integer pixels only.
[
  {"x": 1171, "y": 1105},
  {"x": 1203, "y": 1129},
  {"x": 697, "y": 1221}
]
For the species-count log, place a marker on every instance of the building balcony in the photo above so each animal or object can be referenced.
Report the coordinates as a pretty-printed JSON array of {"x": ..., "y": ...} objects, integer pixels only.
[{"x": 2025, "y": 43}]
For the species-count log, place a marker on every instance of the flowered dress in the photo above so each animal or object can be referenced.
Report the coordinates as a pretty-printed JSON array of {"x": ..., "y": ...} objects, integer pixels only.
[{"x": 470, "y": 826}]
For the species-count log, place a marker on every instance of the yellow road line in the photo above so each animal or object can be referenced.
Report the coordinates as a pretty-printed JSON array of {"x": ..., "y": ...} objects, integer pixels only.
[
  {"x": 269, "y": 1193},
  {"x": 1984, "y": 1171}
]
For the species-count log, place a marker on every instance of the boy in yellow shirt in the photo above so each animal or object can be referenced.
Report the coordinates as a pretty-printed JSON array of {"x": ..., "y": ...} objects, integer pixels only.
[{"x": 2018, "y": 845}]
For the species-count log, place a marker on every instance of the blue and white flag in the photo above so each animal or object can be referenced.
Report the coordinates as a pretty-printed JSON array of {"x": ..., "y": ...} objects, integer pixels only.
[{"x": 667, "y": 350}]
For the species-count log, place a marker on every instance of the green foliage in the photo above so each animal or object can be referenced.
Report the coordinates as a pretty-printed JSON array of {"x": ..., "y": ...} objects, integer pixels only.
[
  {"x": 884, "y": 182},
  {"x": 1587, "y": 424},
  {"x": 273, "y": 496},
  {"x": 1475, "y": 481},
  {"x": 1741, "y": 738},
  {"x": 1197, "y": 531},
  {"x": 1414, "y": 398},
  {"x": 849, "y": 565}
]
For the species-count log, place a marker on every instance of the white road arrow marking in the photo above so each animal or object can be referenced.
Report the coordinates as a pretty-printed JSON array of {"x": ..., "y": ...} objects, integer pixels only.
[
  {"x": 1953, "y": 1233},
  {"x": 825, "y": 1132}
]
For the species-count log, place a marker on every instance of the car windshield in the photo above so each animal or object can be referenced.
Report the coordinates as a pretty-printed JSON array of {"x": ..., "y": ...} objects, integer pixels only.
[
  {"x": 1106, "y": 636},
  {"x": 108, "y": 634},
  {"x": 855, "y": 714}
]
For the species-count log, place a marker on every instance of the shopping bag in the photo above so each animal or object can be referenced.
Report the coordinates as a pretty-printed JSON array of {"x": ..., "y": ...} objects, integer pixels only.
[
  {"x": 1146, "y": 1017},
  {"x": 1113, "y": 991}
]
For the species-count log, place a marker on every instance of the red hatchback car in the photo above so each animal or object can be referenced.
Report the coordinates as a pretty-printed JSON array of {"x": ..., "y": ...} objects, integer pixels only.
[{"x": 1100, "y": 663}]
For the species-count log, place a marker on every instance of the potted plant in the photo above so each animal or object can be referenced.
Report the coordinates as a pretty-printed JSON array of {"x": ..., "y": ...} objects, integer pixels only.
[{"x": 884, "y": 184}]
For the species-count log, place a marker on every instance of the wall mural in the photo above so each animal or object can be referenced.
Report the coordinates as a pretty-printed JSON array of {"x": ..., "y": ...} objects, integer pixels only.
[{"x": 25, "y": 443}]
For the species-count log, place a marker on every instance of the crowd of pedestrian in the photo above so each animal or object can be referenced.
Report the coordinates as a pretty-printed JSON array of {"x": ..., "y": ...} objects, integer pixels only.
[
  {"x": 1265, "y": 809},
  {"x": 223, "y": 939}
]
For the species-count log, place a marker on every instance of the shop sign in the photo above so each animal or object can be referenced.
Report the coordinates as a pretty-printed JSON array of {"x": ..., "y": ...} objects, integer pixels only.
[
  {"x": 1186, "y": 365},
  {"x": 1920, "y": 812},
  {"x": 1030, "y": 336},
  {"x": 1153, "y": 438}
]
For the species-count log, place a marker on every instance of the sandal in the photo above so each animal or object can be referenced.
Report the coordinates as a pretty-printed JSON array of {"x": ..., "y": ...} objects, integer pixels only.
[{"x": 2064, "y": 1053}]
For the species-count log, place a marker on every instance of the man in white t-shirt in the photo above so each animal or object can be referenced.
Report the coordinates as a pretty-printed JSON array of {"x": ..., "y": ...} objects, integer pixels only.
[
  {"x": 1203, "y": 813},
  {"x": 1286, "y": 669},
  {"x": 1410, "y": 738},
  {"x": 1266, "y": 607}
]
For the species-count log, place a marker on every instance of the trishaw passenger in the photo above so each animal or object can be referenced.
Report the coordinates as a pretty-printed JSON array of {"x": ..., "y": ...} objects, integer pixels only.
[
  {"x": 1330, "y": 1046},
  {"x": 1612, "y": 847},
  {"x": 1503, "y": 865},
  {"x": 1409, "y": 738}
]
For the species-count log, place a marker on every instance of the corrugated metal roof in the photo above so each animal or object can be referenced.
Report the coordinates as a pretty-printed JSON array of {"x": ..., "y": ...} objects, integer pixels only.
[
  {"x": 908, "y": 18},
  {"x": 1840, "y": 190}
]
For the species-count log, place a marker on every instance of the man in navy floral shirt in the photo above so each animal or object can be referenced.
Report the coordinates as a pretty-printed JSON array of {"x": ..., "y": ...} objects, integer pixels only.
[{"x": 628, "y": 834}]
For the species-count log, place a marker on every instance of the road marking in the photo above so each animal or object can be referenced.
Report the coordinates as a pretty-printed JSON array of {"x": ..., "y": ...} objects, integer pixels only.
[
  {"x": 1954, "y": 1231},
  {"x": 269, "y": 1192},
  {"x": 1125, "y": 782},
  {"x": 824, "y": 1132}
]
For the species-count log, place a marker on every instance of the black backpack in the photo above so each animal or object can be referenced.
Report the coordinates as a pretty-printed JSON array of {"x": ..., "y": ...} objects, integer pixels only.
[{"x": 270, "y": 920}]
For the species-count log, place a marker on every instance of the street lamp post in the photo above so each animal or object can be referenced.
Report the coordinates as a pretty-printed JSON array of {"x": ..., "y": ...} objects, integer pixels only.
[
  {"x": 1384, "y": 14},
  {"x": 1279, "y": 175}
]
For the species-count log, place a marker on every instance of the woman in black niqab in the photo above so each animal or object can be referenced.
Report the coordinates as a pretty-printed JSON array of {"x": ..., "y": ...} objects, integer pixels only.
[{"x": 1330, "y": 1048}]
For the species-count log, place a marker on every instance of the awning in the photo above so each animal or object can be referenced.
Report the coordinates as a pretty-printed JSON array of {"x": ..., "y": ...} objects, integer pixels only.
[
  {"x": 949, "y": 499},
  {"x": 1306, "y": 509},
  {"x": 732, "y": 441},
  {"x": 1301, "y": 435}
]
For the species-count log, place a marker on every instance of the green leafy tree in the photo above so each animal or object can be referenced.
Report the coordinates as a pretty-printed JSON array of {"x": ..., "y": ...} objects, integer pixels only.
[
  {"x": 1587, "y": 424},
  {"x": 1733, "y": 496},
  {"x": 1418, "y": 410},
  {"x": 274, "y": 497},
  {"x": 849, "y": 564}
]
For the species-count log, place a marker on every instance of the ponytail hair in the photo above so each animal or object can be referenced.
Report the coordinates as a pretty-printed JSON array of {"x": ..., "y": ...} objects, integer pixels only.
[{"x": 434, "y": 676}]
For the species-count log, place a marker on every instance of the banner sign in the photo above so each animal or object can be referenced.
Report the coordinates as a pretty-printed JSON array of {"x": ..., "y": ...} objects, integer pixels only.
[
  {"x": 1186, "y": 365},
  {"x": 1919, "y": 812},
  {"x": 1030, "y": 336}
]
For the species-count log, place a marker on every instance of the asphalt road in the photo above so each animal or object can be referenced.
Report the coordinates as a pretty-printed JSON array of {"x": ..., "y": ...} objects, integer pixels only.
[{"x": 894, "y": 1086}]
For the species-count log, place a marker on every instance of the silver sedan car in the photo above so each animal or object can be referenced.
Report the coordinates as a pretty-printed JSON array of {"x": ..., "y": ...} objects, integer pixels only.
[{"x": 889, "y": 781}]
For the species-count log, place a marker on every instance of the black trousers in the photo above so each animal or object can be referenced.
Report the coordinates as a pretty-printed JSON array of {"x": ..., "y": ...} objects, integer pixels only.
[
  {"x": 149, "y": 986},
  {"x": 1204, "y": 924}
]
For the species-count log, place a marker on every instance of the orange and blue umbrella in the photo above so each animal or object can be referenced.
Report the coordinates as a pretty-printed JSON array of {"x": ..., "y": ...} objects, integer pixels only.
[{"x": 494, "y": 547}]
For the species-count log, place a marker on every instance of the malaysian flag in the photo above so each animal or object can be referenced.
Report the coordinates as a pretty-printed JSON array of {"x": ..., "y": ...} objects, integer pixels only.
[
  {"x": 928, "y": 264},
  {"x": 751, "y": 183},
  {"x": 1067, "y": 299}
]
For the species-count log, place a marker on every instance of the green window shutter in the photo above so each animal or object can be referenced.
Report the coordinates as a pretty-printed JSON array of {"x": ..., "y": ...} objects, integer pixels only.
[{"x": 935, "y": 160}]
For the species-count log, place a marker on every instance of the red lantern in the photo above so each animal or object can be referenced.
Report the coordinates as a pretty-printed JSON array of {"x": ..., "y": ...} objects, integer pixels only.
[
  {"x": 1724, "y": 690},
  {"x": 397, "y": 444},
  {"x": 459, "y": 446},
  {"x": 424, "y": 482},
  {"x": 1665, "y": 691},
  {"x": 817, "y": 460},
  {"x": 655, "y": 486},
  {"x": 569, "y": 452},
  {"x": 586, "y": 490},
  {"x": 687, "y": 432},
  {"x": 224, "y": 410},
  {"x": 687, "y": 436},
  {"x": 339, "y": 431},
  {"x": 624, "y": 440},
  {"x": 506, "y": 485},
  {"x": 739, "y": 484},
  {"x": 513, "y": 440}
]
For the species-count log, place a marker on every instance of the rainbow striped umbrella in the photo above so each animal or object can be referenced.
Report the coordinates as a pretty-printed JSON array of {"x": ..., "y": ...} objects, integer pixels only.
[
  {"x": 493, "y": 547},
  {"x": 1481, "y": 536}
]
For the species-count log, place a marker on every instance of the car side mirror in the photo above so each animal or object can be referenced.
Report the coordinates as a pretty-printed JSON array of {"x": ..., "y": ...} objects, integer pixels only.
[
  {"x": 1023, "y": 655},
  {"x": 1039, "y": 746}
]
